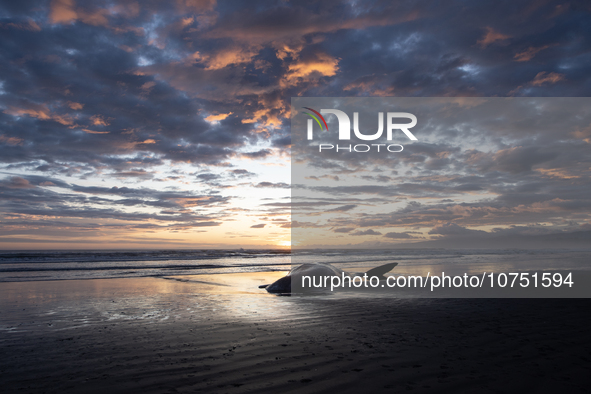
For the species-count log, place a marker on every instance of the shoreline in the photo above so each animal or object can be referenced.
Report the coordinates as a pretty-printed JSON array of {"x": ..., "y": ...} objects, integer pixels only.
[{"x": 152, "y": 335}]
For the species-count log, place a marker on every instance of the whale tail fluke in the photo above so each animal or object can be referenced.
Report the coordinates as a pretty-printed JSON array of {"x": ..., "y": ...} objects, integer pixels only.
[{"x": 381, "y": 270}]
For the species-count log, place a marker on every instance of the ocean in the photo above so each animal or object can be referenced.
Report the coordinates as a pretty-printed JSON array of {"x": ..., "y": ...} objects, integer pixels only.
[{"x": 22, "y": 266}]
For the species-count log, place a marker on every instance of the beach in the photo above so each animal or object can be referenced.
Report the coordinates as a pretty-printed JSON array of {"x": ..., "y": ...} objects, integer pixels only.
[
  {"x": 420, "y": 167},
  {"x": 221, "y": 334}
]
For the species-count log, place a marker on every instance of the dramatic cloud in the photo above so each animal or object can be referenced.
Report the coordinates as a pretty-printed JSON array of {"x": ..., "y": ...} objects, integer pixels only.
[
  {"x": 508, "y": 168},
  {"x": 192, "y": 98}
]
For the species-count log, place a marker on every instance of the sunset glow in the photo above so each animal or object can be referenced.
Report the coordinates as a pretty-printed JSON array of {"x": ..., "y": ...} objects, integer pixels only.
[{"x": 157, "y": 125}]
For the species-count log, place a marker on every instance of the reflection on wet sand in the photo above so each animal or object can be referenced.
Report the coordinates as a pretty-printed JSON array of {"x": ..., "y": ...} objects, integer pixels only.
[{"x": 220, "y": 333}]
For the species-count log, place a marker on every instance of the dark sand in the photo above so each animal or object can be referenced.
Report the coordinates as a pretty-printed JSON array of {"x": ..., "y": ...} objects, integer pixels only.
[{"x": 156, "y": 335}]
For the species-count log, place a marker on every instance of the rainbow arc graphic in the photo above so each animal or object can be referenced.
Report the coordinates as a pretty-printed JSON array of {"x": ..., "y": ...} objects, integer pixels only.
[{"x": 316, "y": 118}]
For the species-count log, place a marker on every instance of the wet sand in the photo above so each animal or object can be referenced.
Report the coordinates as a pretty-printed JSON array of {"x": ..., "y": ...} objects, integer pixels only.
[{"x": 221, "y": 334}]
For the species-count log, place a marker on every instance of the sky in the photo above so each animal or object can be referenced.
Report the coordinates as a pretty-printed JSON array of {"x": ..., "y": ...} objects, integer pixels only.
[
  {"x": 482, "y": 172},
  {"x": 166, "y": 124}
]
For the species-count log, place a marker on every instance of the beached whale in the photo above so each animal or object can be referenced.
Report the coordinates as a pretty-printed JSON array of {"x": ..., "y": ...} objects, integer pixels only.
[{"x": 318, "y": 272}]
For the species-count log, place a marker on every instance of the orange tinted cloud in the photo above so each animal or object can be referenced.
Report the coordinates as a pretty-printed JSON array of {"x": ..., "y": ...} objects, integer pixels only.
[
  {"x": 490, "y": 37},
  {"x": 11, "y": 140},
  {"x": 148, "y": 85},
  {"x": 37, "y": 111},
  {"x": 16, "y": 182},
  {"x": 98, "y": 120},
  {"x": 370, "y": 88},
  {"x": 203, "y": 11},
  {"x": 267, "y": 117},
  {"x": 128, "y": 10},
  {"x": 31, "y": 25},
  {"x": 323, "y": 65},
  {"x": 253, "y": 31},
  {"x": 62, "y": 11},
  {"x": 196, "y": 5},
  {"x": 40, "y": 112},
  {"x": 96, "y": 18},
  {"x": 529, "y": 53},
  {"x": 218, "y": 117},
  {"x": 75, "y": 106},
  {"x": 65, "y": 11},
  {"x": 557, "y": 173},
  {"x": 225, "y": 57},
  {"x": 542, "y": 78}
]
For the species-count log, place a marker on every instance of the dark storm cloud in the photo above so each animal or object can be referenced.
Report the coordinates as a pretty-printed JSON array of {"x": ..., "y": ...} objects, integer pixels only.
[
  {"x": 343, "y": 208},
  {"x": 90, "y": 78},
  {"x": 394, "y": 235},
  {"x": 473, "y": 50},
  {"x": 279, "y": 185},
  {"x": 242, "y": 173},
  {"x": 366, "y": 232},
  {"x": 282, "y": 141},
  {"x": 257, "y": 154},
  {"x": 73, "y": 95},
  {"x": 208, "y": 177}
]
